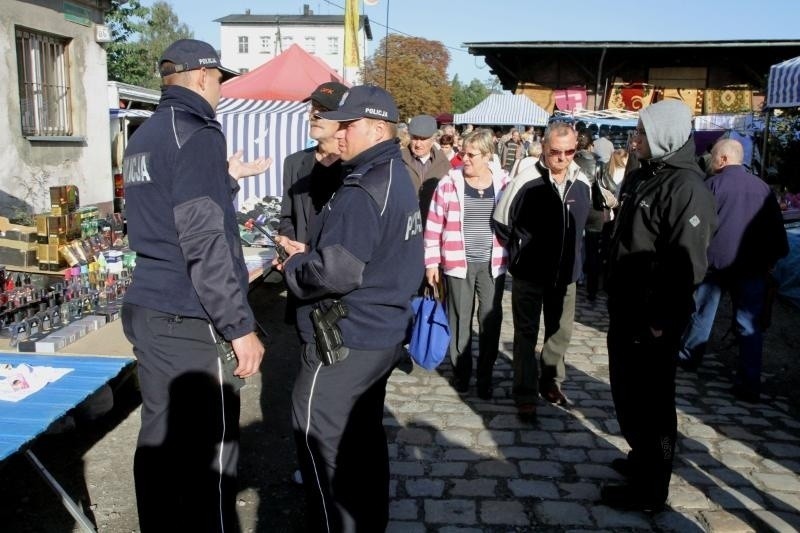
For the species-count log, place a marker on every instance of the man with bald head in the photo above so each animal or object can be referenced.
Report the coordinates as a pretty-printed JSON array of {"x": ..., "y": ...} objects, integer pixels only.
[{"x": 750, "y": 239}]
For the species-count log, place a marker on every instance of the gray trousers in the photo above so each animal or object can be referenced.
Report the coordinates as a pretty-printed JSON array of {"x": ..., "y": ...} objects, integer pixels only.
[
  {"x": 461, "y": 296},
  {"x": 531, "y": 369}
]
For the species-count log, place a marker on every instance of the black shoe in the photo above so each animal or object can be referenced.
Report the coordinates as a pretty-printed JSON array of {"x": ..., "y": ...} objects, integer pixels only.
[
  {"x": 526, "y": 412},
  {"x": 461, "y": 386},
  {"x": 690, "y": 365},
  {"x": 743, "y": 394},
  {"x": 626, "y": 497},
  {"x": 554, "y": 395},
  {"x": 623, "y": 466},
  {"x": 485, "y": 392}
]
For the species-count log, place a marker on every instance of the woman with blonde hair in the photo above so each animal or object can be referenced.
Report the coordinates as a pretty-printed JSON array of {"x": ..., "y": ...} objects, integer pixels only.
[
  {"x": 460, "y": 241},
  {"x": 613, "y": 175},
  {"x": 533, "y": 155}
]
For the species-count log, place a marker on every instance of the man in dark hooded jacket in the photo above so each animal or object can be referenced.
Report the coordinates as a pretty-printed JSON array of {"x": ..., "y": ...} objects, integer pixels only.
[{"x": 657, "y": 256}]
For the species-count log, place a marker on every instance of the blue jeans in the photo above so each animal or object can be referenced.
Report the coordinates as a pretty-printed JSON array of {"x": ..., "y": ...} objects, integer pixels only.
[{"x": 747, "y": 295}]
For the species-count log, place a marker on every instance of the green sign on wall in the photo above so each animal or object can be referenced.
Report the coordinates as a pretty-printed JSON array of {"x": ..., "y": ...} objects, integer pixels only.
[{"x": 77, "y": 14}]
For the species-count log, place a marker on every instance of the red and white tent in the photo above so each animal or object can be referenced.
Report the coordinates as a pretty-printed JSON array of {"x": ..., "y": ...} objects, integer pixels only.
[{"x": 293, "y": 75}]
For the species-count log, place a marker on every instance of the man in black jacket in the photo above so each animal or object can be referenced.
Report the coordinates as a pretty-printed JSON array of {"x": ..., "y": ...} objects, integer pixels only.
[
  {"x": 541, "y": 217},
  {"x": 657, "y": 256},
  {"x": 190, "y": 289},
  {"x": 311, "y": 176}
]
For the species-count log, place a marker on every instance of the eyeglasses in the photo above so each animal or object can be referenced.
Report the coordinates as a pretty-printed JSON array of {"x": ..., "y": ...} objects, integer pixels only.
[
  {"x": 315, "y": 109},
  {"x": 562, "y": 153},
  {"x": 471, "y": 155}
]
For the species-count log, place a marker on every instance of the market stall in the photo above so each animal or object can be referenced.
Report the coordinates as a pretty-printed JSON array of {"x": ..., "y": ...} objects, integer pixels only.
[
  {"x": 263, "y": 128},
  {"x": 504, "y": 110}
]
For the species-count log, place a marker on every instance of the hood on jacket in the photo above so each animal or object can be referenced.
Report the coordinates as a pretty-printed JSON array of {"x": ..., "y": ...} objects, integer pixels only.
[{"x": 667, "y": 125}]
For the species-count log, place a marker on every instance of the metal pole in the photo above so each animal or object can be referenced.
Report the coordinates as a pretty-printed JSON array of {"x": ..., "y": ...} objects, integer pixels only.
[
  {"x": 83, "y": 521},
  {"x": 386, "y": 51},
  {"x": 768, "y": 114}
]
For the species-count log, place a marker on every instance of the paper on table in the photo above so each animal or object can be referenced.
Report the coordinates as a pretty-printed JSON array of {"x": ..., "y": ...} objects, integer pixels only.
[{"x": 19, "y": 382}]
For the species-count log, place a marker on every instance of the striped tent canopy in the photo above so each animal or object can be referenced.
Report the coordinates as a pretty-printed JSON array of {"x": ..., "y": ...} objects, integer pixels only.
[
  {"x": 783, "y": 87},
  {"x": 504, "y": 110},
  {"x": 263, "y": 128}
]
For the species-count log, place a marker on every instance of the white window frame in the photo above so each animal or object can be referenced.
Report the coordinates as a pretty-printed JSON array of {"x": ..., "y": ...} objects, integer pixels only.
[
  {"x": 265, "y": 44},
  {"x": 333, "y": 45},
  {"x": 244, "y": 44},
  {"x": 45, "y": 96},
  {"x": 311, "y": 44}
]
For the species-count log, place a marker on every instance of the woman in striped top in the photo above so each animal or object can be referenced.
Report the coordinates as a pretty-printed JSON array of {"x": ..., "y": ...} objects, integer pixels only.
[{"x": 460, "y": 242}]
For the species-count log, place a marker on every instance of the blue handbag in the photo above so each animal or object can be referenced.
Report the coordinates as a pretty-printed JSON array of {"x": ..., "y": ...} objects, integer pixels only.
[{"x": 430, "y": 333}]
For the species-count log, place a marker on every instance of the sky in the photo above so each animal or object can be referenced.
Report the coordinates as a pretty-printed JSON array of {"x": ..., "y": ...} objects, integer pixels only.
[{"x": 454, "y": 22}]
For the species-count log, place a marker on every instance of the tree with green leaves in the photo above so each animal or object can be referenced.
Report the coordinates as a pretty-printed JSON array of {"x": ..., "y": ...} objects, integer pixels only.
[
  {"x": 415, "y": 74},
  {"x": 141, "y": 35},
  {"x": 125, "y": 56},
  {"x": 465, "y": 97}
]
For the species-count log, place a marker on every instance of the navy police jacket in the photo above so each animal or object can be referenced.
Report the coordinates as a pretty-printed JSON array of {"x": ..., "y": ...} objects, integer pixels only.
[
  {"x": 181, "y": 222},
  {"x": 366, "y": 251}
]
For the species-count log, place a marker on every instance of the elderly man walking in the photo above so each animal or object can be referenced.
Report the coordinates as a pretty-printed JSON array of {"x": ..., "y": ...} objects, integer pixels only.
[
  {"x": 750, "y": 240},
  {"x": 541, "y": 218},
  {"x": 426, "y": 163}
]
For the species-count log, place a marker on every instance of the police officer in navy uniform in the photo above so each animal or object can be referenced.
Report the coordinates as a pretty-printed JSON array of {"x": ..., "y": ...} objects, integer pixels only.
[
  {"x": 366, "y": 253},
  {"x": 189, "y": 290}
]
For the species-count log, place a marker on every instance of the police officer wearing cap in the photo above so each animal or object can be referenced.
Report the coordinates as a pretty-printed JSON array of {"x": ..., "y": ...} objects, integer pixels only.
[
  {"x": 189, "y": 293},
  {"x": 366, "y": 254}
]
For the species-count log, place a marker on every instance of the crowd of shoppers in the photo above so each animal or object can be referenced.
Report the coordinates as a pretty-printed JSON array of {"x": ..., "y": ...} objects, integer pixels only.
[{"x": 377, "y": 208}]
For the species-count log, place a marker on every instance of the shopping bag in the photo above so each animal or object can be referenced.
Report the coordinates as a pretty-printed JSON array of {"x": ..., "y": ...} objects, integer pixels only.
[{"x": 430, "y": 334}]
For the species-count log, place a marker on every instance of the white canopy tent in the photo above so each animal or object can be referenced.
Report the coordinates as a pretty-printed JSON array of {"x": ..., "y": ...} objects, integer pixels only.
[
  {"x": 504, "y": 110},
  {"x": 263, "y": 128}
]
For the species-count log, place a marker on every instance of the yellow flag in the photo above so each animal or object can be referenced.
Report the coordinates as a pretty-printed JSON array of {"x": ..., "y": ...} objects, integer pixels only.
[{"x": 351, "y": 34}]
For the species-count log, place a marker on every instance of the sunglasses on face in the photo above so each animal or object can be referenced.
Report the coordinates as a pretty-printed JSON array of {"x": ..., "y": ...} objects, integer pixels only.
[
  {"x": 473, "y": 155},
  {"x": 562, "y": 153}
]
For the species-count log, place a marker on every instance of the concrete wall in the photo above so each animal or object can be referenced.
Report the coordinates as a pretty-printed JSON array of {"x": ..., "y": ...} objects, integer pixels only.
[{"x": 31, "y": 167}]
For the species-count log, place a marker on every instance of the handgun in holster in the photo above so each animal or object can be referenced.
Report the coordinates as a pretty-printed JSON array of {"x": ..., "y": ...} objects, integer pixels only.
[
  {"x": 327, "y": 335},
  {"x": 229, "y": 361}
]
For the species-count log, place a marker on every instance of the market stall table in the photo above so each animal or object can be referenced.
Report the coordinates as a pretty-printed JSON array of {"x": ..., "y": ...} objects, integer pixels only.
[{"x": 25, "y": 420}]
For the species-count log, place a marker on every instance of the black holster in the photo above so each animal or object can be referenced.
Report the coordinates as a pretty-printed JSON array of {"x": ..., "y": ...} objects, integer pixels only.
[{"x": 327, "y": 335}]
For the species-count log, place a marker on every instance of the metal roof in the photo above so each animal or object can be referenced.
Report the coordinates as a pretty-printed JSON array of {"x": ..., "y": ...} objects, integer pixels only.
[
  {"x": 635, "y": 44},
  {"x": 293, "y": 20}
]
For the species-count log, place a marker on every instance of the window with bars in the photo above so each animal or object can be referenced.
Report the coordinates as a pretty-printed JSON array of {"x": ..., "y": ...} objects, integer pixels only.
[
  {"x": 44, "y": 89},
  {"x": 244, "y": 44}
]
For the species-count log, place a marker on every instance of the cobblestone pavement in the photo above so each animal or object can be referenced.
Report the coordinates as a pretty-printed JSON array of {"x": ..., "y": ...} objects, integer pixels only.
[{"x": 460, "y": 464}]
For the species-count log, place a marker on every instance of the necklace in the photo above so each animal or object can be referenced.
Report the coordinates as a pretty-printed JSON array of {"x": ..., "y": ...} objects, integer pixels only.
[{"x": 477, "y": 185}]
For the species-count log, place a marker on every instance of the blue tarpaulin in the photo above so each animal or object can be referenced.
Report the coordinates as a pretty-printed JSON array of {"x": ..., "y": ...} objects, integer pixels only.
[{"x": 787, "y": 271}]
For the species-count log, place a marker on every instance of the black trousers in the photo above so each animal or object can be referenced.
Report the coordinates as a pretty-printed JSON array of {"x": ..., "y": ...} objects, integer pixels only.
[
  {"x": 341, "y": 443},
  {"x": 188, "y": 447},
  {"x": 642, "y": 372}
]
